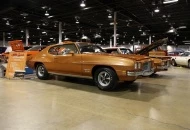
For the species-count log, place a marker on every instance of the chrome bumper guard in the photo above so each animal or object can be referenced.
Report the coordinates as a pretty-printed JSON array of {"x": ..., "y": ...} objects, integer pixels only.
[{"x": 140, "y": 73}]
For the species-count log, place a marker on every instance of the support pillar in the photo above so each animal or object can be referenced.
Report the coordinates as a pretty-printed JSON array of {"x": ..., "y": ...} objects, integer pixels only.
[
  {"x": 27, "y": 37},
  {"x": 110, "y": 42},
  {"x": 115, "y": 27},
  {"x": 150, "y": 39},
  {"x": 4, "y": 39},
  {"x": 60, "y": 32}
]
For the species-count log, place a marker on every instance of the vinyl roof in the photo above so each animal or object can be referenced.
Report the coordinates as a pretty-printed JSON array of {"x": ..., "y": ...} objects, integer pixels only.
[{"x": 132, "y": 17}]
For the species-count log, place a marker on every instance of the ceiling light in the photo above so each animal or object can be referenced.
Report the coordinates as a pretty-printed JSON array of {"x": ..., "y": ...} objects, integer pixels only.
[
  {"x": 171, "y": 30},
  {"x": 87, "y": 8},
  {"x": 38, "y": 28},
  {"x": 46, "y": 14},
  {"x": 109, "y": 16},
  {"x": 51, "y": 38},
  {"x": 140, "y": 29},
  {"x": 182, "y": 27},
  {"x": 84, "y": 37},
  {"x": 50, "y": 16},
  {"x": 82, "y": 4},
  {"x": 156, "y": 10},
  {"x": 62, "y": 31},
  {"x": 43, "y": 32},
  {"x": 7, "y": 23},
  {"x": 77, "y": 22},
  {"x": 143, "y": 34},
  {"x": 22, "y": 31},
  {"x": 169, "y": 1}
]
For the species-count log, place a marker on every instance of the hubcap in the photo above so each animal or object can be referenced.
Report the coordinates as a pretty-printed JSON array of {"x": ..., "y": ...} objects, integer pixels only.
[
  {"x": 41, "y": 71},
  {"x": 104, "y": 78}
]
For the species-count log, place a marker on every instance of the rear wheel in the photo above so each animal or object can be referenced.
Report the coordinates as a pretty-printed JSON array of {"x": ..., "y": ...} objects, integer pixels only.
[
  {"x": 173, "y": 62},
  {"x": 41, "y": 72},
  {"x": 105, "y": 78}
]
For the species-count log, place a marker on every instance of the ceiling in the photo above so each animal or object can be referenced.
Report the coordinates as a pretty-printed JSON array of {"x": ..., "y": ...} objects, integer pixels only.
[{"x": 132, "y": 16}]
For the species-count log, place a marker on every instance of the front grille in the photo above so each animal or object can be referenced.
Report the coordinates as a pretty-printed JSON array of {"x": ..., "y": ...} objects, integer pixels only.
[{"x": 146, "y": 66}]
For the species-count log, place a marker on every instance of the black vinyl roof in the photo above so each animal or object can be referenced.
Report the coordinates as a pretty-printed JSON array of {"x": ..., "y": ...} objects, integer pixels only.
[{"x": 132, "y": 16}]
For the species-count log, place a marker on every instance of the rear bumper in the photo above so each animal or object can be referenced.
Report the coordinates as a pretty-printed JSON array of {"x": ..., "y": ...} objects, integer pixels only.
[{"x": 140, "y": 73}]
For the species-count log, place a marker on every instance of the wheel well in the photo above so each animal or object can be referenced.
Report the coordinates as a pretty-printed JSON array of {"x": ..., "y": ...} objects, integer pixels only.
[
  {"x": 37, "y": 63},
  {"x": 101, "y": 66}
]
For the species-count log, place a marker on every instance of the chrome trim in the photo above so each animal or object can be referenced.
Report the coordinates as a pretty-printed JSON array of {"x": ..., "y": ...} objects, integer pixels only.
[
  {"x": 163, "y": 67},
  {"x": 70, "y": 75},
  {"x": 140, "y": 73}
]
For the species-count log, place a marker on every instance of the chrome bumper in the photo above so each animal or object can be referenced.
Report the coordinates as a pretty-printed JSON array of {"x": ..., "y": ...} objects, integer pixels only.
[
  {"x": 165, "y": 67},
  {"x": 140, "y": 73}
]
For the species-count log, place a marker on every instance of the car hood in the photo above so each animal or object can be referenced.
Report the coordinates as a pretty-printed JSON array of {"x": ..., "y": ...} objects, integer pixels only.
[
  {"x": 152, "y": 46},
  {"x": 130, "y": 56}
]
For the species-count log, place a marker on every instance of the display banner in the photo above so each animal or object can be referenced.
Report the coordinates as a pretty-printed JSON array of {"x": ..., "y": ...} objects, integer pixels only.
[{"x": 16, "y": 62}]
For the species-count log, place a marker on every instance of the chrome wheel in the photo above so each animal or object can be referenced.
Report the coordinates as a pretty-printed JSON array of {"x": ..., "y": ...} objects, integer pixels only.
[
  {"x": 104, "y": 78},
  {"x": 41, "y": 71}
]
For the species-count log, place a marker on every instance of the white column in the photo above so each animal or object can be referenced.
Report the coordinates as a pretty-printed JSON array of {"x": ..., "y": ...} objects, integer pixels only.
[
  {"x": 60, "y": 32},
  {"x": 27, "y": 37},
  {"x": 110, "y": 42},
  {"x": 4, "y": 39},
  {"x": 150, "y": 39},
  {"x": 115, "y": 27}
]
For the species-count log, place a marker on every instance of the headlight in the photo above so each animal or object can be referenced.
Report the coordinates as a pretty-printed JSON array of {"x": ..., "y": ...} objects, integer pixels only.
[
  {"x": 136, "y": 65},
  {"x": 139, "y": 65}
]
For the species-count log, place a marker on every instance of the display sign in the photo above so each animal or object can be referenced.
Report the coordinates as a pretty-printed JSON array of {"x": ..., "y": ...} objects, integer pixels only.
[
  {"x": 16, "y": 45},
  {"x": 16, "y": 62},
  {"x": 16, "y": 59}
]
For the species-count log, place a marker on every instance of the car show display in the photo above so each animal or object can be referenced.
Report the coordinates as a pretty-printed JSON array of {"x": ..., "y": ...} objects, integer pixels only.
[
  {"x": 183, "y": 59},
  {"x": 90, "y": 61}
]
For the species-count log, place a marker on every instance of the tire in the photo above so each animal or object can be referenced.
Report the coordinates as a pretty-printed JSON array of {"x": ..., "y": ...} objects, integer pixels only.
[
  {"x": 105, "y": 78},
  {"x": 189, "y": 64},
  {"x": 41, "y": 72},
  {"x": 173, "y": 62}
]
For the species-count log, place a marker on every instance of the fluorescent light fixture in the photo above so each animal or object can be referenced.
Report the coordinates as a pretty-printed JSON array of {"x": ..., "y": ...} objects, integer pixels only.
[
  {"x": 182, "y": 27},
  {"x": 50, "y": 16},
  {"x": 187, "y": 43},
  {"x": 51, "y": 38},
  {"x": 7, "y": 23},
  {"x": 44, "y": 32},
  {"x": 169, "y": 1},
  {"x": 82, "y": 4},
  {"x": 157, "y": 10}
]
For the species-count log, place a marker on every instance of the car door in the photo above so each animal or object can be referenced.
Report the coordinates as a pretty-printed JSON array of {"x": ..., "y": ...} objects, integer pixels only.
[
  {"x": 68, "y": 60},
  {"x": 182, "y": 60}
]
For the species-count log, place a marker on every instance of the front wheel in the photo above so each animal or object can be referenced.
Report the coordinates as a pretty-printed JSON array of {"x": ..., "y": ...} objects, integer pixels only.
[
  {"x": 174, "y": 63},
  {"x": 105, "y": 78},
  {"x": 41, "y": 72},
  {"x": 189, "y": 64}
]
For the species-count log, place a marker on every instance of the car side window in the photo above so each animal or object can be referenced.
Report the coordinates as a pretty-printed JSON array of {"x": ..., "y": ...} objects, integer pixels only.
[{"x": 63, "y": 49}]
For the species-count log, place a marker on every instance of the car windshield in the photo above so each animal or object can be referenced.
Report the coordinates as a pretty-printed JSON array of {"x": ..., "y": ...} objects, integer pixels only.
[
  {"x": 91, "y": 49},
  {"x": 126, "y": 51}
]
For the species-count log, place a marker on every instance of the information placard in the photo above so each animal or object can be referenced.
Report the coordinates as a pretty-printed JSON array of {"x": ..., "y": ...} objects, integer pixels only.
[{"x": 16, "y": 62}]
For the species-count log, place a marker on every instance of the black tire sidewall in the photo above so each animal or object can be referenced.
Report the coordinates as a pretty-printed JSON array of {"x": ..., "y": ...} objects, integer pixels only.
[
  {"x": 113, "y": 77},
  {"x": 173, "y": 62},
  {"x": 45, "y": 76}
]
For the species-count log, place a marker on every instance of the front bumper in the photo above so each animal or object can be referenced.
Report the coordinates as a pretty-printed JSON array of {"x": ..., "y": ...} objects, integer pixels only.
[
  {"x": 140, "y": 73},
  {"x": 165, "y": 67}
]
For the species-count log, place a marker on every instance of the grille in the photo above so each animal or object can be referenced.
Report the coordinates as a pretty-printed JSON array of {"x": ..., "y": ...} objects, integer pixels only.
[{"x": 147, "y": 66}]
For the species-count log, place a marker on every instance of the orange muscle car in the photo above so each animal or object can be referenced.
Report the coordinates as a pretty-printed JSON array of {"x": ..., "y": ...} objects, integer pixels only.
[{"x": 89, "y": 61}]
